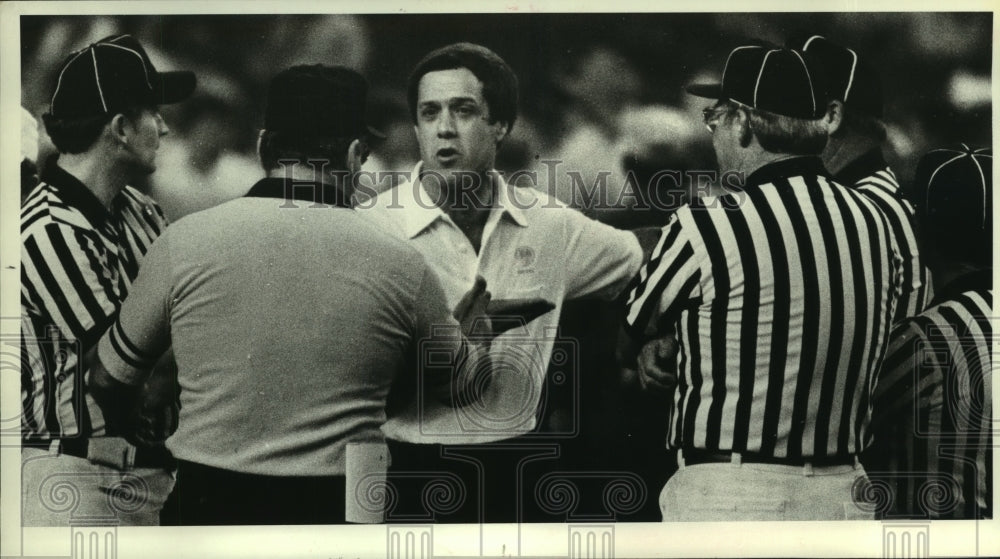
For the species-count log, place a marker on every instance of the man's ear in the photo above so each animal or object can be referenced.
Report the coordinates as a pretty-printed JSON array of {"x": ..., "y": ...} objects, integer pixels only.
[
  {"x": 742, "y": 119},
  {"x": 355, "y": 157},
  {"x": 120, "y": 127},
  {"x": 834, "y": 116},
  {"x": 501, "y": 130}
]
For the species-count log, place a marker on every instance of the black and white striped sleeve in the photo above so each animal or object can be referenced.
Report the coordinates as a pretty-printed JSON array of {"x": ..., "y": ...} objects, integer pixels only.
[
  {"x": 141, "y": 333},
  {"x": 665, "y": 283},
  {"x": 64, "y": 271}
]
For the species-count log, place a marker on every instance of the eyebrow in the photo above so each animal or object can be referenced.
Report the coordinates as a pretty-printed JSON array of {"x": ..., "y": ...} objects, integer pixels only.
[{"x": 450, "y": 101}]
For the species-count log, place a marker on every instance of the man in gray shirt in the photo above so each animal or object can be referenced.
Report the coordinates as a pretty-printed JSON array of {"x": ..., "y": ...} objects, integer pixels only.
[{"x": 284, "y": 356}]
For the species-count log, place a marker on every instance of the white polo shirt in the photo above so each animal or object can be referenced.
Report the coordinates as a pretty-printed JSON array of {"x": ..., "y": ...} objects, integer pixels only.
[{"x": 532, "y": 246}]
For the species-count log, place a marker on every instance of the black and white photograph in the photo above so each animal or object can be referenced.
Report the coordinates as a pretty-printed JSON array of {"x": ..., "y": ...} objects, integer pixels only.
[{"x": 499, "y": 280}]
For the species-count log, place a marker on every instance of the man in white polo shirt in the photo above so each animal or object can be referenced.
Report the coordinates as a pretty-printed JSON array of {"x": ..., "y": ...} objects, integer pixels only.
[{"x": 461, "y": 215}]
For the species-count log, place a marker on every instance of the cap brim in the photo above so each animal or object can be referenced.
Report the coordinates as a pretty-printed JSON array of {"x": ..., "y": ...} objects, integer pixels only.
[
  {"x": 706, "y": 90},
  {"x": 175, "y": 86}
]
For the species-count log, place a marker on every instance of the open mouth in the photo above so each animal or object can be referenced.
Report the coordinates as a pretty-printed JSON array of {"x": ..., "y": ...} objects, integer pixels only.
[{"x": 446, "y": 155}]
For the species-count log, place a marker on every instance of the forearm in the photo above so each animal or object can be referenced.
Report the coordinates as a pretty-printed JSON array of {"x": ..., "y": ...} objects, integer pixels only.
[{"x": 115, "y": 398}]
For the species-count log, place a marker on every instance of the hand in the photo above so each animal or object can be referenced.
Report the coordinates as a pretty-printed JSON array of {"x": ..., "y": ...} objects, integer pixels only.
[
  {"x": 470, "y": 312},
  {"x": 658, "y": 364},
  {"x": 155, "y": 415},
  {"x": 153, "y": 424}
]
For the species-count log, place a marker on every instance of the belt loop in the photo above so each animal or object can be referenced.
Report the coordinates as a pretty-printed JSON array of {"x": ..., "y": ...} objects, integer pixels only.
[
  {"x": 128, "y": 457},
  {"x": 680, "y": 458},
  {"x": 736, "y": 459},
  {"x": 857, "y": 462},
  {"x": 807, "y": 470},
  {"x": 55, "y": 446}
]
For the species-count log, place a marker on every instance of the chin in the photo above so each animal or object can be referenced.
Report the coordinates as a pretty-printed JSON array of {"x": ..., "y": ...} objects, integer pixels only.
[
  {"x": 452, "y": 176},
  {"x": 143, "y": 170}
]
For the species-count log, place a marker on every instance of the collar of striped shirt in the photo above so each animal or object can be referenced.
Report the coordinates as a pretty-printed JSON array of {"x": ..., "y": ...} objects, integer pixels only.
[
  {"x": 867, "y": 165},
  {"x": 74, "y": 193},
  {"x": 806, "y": 165},
  {"x": 980, "y": 280},
  {"x": 302, "y": 190}
]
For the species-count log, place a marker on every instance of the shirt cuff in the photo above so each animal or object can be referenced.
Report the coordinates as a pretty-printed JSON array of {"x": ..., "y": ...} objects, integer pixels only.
[{"x": 122, "y": 359}]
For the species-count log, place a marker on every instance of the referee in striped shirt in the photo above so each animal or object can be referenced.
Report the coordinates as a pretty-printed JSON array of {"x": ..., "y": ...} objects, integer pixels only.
[
  {"x": 932, "y": 418},
  {"x": 781, "y": 295},
  {"x": 83, "y": 234},
  {"x": 854, "y": 155}
]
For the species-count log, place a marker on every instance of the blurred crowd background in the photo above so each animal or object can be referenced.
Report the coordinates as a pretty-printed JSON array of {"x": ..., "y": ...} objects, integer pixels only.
[{"x": 600, "y": 94}]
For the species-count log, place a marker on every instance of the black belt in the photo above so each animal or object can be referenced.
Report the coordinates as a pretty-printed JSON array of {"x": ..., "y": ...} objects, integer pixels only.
[
  {"x": 694, "y": 456},
  {"x": 145, "y": 457}
]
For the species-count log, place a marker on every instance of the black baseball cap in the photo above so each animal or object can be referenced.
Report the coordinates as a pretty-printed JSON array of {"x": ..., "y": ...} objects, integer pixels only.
[
  {"x": 780, "y": 81},
  {"x": 953, "y": 192},
  {"x": 317, "y": 101},
  {"x": 112, "y": 74},
  {"x": 849, "y": 77}
]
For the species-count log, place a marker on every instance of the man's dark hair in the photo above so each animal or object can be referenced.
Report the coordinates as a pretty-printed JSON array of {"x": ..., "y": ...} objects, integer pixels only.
[
  {"x": 499, "y": 80},
  {"x": 78, "y": 134},
  {"x": 276, "y": 147}
]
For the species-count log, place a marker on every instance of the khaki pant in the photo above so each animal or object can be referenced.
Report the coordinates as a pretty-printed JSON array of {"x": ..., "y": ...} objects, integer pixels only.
[
  {"x": 735, "y": 492},
  {"x": 59, "y": 490}
]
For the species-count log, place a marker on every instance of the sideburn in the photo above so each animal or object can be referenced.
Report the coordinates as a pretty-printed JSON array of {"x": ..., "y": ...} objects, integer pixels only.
[{"x": 745, "y": 134}]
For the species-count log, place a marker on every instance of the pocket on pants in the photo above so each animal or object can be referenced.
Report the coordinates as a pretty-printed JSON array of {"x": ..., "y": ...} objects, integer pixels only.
[{"x": 708, "y": 496}]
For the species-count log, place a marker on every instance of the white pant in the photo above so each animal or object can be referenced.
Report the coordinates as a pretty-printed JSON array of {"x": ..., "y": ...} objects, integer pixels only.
[
  {"x": 735, "y": 492},
  {"x": 59, "y": 490}
]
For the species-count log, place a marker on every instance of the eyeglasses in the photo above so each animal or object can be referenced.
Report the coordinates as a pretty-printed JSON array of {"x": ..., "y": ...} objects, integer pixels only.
[{"x": 712, "y": 114}]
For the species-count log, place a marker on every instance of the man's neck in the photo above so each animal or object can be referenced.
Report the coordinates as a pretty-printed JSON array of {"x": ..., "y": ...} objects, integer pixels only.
[
  {"x": 309, "y": 174},
  {"x": 760, "y": 158},
  {"x": 462, "y": 203},
  {"x": 103, "y": 178},
  {"x": 843, "y": 150},
  {"x": 468, "y": 207}
]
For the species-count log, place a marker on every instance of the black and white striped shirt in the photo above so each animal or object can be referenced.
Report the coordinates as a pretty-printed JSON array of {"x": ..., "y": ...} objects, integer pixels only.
[
  {"x": 781, "y": 295},
  {"x": 77, "y": 261},
  {"x": 933, "y": 411},
  {"x": 871, "y": 176}
]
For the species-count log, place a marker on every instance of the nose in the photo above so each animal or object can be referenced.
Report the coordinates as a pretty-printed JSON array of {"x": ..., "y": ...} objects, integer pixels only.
[
  {"x": 446, "y": 125},
  {"x": 161, "y": 125}
]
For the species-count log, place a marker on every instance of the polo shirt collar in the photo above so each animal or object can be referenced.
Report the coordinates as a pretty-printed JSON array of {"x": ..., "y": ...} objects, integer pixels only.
[
  {"x": 74, "y": 193},
  {"x": 302, "y": 190},
  {"x": 799, "y": 166},
  {"x": 506, "y": 203},
  {"x": 980, "y": 280},
  {"x": 420, "y": 210},
  {"x": 866, "y": 165}
]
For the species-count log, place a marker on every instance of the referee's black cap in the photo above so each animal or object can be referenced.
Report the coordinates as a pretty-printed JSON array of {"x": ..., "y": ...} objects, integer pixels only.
[
  {"x": 850, "y": 78},
  {"x": 113, "y": 74},
  {"x": 953, "y": 195},
  {"x": 318, "y": 101},
  {"x": 780, "y": 81}
]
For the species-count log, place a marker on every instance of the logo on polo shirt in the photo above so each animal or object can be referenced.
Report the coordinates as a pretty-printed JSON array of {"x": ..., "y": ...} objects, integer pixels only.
[{"x": 524, "y": 257}]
